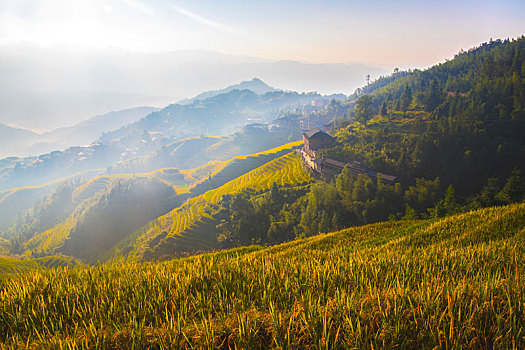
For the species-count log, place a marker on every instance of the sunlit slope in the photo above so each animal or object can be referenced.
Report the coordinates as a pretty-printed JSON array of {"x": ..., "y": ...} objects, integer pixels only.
[
  {"x": 220, "y": 173},
  {"x": 191, "y": 227},
  {"x": 12, "y": 265},
  {"x": 16, "y": 201},
  {"x": 185, "y": 153},
  {"x": 4, "y": 246},
  {"x": 457, "y": 282},
  {"x": 56, "y": 207}
]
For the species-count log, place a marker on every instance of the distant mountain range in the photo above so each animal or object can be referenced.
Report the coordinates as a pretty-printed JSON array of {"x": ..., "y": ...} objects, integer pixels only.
[
  {"x": 20, "y": 142},
  {"x": 15, "y": 140},
  {"x": 47, "y": 88},
  {"x": 137, "y": 139},
  {"x": 222, "y": 113}
]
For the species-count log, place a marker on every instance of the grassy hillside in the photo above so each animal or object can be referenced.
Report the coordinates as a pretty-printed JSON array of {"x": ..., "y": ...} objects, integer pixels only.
[
  {"x": 221, "y": 172},
  {"x": 192, "y": 226},
  {"x": 4, "y": 246},
  {"x": 456, "y": 282},
  {"x": 172, "y": 177},
  {"x": 15, "y": 201},
  {"x": 55, "y": 208}
]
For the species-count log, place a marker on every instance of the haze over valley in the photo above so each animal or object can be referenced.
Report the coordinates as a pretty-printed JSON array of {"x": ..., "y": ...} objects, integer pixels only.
[
  {"x": 48, "y": 88},
  {"x": 262, "y": 175}
]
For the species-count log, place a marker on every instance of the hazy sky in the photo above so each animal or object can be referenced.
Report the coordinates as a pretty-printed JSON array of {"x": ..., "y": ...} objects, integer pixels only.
[{"x": 406, "y": 33}]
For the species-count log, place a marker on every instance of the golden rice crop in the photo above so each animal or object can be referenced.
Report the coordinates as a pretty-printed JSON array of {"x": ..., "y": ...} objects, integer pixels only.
[{"x": 458, "y": 282}]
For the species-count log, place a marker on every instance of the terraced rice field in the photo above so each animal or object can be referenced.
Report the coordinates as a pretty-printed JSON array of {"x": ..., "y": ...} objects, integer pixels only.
[
  {"x": 11, "y": 265},
  {"x": 452, "y": 283},
  {"x": 192, "y": 225},
  {"x": 222, "y": 150},
  {"x": 92, "y": 187}
]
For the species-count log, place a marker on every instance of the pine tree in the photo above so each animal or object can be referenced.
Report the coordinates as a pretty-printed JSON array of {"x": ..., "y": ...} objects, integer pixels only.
[
  {"x": 384, "y": 110},
  {"x": 406, "y": 98}
]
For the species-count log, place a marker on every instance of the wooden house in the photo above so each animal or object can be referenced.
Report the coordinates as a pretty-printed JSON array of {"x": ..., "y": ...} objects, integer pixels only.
[{"x": 316, "y": 139}]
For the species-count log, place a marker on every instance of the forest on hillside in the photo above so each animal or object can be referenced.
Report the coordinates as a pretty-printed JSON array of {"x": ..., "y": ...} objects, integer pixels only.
[{"x": 453, "y": 134}]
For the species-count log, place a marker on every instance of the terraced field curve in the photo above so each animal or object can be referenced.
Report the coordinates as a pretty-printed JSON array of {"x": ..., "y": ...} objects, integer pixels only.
[{"x": 191, "y": 227}]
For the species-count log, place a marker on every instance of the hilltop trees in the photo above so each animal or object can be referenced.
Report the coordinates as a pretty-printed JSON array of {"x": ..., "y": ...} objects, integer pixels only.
[
  {"x": 384, "y": 110},
  {"x": 406, "y": 98},
  {"x": 363, "y": 109},
  {"x": 462, "y": 121}
]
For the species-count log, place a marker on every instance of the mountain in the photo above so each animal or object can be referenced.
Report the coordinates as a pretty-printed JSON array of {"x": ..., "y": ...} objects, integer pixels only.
[
  {"x": 47, "y": 88},
  {"x": 153, "y": 141},
  {"x": 14, "y": 140},
  {"x": 86, "y": 132},
  {"x": 192, "y": 152},
  {"x": 136, "y": 152},
  {"x": 296, "y": 256},
  {"x": 21, "y": 143},
  {"x": 452, "y": 151},
  {"x": 56, "y": 166},
  {"x": 461, "y": 121},
  {"x": 256, "y": 85},
  {"x": 220, "y": 114}
]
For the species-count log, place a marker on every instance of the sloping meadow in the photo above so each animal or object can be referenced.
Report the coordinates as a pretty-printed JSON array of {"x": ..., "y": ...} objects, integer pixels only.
[{"x": 454, "y": 282}]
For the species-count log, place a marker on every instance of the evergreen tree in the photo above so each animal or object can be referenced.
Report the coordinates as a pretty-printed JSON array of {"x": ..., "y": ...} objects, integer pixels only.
[
  {"x": 384, "y": 110},
  {"x": 406, "y": 98},
  {"x": 363, "y": 109},
  {"x": 514, "y": 189}
]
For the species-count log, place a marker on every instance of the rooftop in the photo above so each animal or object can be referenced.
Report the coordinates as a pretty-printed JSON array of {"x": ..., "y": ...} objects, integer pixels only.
[{"x": 310, "y": 133}]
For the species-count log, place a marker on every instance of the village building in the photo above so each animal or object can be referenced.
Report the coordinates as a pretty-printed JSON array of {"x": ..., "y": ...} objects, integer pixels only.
[{"x": 316, "y": 140}]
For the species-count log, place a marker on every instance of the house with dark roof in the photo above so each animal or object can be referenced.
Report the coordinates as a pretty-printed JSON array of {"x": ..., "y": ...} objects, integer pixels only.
[{"x": 316, "y": 139}]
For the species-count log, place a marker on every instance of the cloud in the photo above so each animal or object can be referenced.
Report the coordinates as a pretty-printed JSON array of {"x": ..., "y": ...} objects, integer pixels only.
[{"x": 205, "y": 21}]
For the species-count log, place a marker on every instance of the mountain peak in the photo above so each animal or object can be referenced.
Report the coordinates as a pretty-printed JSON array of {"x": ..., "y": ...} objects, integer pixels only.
[{"x": 256, "y": 85}]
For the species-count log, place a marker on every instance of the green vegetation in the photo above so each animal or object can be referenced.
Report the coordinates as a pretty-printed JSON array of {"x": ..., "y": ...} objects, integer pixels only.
[
  {"x": 461, "y": 121},
  {"x": 4, "y": 246},
  {"x": 455, "y": 282},
  {"x": 446, "y": 270},
  {"x": 16, "y": 201},
  {"x": 220, "y": 173}
]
